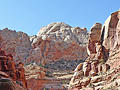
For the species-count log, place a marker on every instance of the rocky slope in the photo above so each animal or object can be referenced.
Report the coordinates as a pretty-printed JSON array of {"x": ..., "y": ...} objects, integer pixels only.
[
  {"x": 15, "y": 43},
  {"x": 51, "y": 56},
  {"x": 58, "y": 41},
  {"x": 12, "y": 76},
  {"x": 101, "y": 70},
  {"x": 54, "y": 42},
  {"x": 39, "y": 78},
  {"x": 57, "y": 47}
]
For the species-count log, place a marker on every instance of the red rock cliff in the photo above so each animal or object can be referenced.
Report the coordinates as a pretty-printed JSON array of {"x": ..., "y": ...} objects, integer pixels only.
[
  {"x": 9, "y": 70},
  {"x": 58, "y": 41},
  {"x": 101, "y": 69}
]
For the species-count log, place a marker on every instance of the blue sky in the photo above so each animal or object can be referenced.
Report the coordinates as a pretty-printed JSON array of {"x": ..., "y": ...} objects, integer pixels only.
[{"x": 30, "y": 15}]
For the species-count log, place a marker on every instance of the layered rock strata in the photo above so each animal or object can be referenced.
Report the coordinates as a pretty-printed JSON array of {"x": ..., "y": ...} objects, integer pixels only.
[
  {"x": 57, "y": 44},
  {"x": 9, "y": 72},
  {"x": 15, "y": 43},
  {"x": 101, "y": 69},
  {"x": 54, "y": 42},
  {"x": 59, "y": 41}
]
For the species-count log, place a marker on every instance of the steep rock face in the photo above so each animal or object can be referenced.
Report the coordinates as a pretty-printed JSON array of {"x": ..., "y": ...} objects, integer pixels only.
[
  {"x": 94, "y": 37},
  {"x": 15, "y": 43},
  {"x": 59, "y": 41},
  {"x": 111, "y": 38},
  {"x": 111, "y": 31},
  {"x": 101, "y": 69},
  {"x": 57, "y": 46},
  {"x": 20, "y": 74},
  {"x": 55, "y": 42},
  {"x": 9, "y": 70}
]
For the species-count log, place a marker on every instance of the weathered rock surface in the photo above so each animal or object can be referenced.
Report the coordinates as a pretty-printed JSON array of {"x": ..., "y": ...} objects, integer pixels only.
[
  {"x": 35, "y": 71},
  {"x": 35, "y": 75},
  {"x": 38, "y": 78},
  {"x": 101, "y": 69},
  {"x": 59, "y": 41},
  {"x": 54, "y": 42},
  {"x": 63, "y": 65},
  {"x": 94, "y": 38},
  {"x": 15, "y": 43},
  {"x": 10, "y": 74},
  {"x": 57, "y": 46},
  {"x": 111, "y": 31},
  {"x": 8, "y": 84}
]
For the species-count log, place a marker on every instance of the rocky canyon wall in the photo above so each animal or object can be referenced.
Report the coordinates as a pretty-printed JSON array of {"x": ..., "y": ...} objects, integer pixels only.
[
  {"x": 59, "y": 41},
  {"x": 101, "y": 69},
  {"x": 53, "y": 42},
  {"x": 12, "y": 76},
  {"x": 15, "y": 43},
  {"x": 57, "y": 46}
]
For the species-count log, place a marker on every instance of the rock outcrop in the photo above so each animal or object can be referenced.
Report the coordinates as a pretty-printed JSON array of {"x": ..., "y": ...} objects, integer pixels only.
[
  {"x": 57, "y": 46},
  {"x": 59, "y": 41},
  {"x": 111, "y": 31},
  {"x": 10, "y": 73},
  {"x": 94, "y": 38},
  {"x": 15, "y": 43},
  {"x": 54, "y": 42},
  {"x": 39, "y": 78},
  {"x": 8, "y": 84},
  {"x": 101, "y": 69},
  {"x": 35, "y": 76}
]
